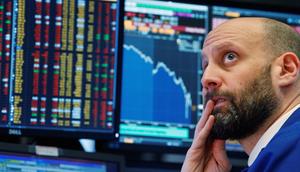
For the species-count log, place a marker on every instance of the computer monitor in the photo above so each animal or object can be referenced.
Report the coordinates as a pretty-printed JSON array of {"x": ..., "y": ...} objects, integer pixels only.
[
  {"x": 15, "y": 157},
  {"x": 161, "y": 71},
  {"x": 58, "y": 68}
]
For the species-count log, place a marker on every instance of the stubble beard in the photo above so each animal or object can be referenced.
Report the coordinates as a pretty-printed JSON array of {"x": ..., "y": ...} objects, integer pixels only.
[{"x": 246, "y": 110}]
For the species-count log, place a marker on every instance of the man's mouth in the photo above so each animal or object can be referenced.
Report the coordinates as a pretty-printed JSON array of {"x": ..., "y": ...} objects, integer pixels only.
[{"x": 219, "y": 101}]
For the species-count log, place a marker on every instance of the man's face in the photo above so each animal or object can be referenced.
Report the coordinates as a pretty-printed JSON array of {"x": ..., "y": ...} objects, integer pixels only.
[
  {"x": 237, "y": 77},
  {"x": 246, "y": 109}
]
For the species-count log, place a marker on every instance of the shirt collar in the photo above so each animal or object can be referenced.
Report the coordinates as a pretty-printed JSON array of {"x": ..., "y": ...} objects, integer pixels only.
[{"x": 269, "y": 134}]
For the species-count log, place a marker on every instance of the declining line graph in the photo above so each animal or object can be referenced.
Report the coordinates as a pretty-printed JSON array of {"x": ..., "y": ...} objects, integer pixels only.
[
  {"x": 152, "y": 91},
  {"x": 179, "y": 82}
]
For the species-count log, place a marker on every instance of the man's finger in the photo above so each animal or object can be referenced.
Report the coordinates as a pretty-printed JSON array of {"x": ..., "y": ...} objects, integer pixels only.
[
  {"x": 204, "y": 133},
  {"x": 220, "y": 155},
  {"x": 201, "y": 138},
  {"x": 207, "y": 111}
]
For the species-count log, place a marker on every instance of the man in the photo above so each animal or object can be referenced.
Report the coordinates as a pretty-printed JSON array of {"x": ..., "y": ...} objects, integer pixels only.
[{"x": 251, "y": 87}]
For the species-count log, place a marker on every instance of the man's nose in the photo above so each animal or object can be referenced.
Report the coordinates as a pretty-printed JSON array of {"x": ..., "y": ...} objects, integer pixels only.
[{"x": 211, "y": 79}]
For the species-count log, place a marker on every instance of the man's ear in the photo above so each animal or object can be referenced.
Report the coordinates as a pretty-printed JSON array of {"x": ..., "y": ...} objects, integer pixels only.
[{"x": 289, "y": 66}]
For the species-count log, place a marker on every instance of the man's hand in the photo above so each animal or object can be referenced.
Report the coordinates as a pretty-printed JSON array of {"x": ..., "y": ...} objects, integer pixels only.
[{"x": 206, "y": 154}]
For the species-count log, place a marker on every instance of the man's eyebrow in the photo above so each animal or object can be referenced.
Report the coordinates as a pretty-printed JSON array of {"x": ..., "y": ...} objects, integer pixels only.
[
  {"x": 224, "y": 45},
  {"x": 221, "y": 47}
]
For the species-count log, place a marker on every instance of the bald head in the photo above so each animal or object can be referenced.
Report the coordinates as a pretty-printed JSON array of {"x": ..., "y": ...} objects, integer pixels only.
[
  {"x": 250, "y": 28},
  {"x": 280, "y": 37},
  {"x": 277, "y": 37}
]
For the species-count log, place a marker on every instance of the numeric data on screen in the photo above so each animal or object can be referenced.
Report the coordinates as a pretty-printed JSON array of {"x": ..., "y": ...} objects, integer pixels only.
[{"x": 57, "y": 64}]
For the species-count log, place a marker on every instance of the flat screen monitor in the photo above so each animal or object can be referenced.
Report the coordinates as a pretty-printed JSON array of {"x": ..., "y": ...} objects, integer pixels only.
[
  {"x": 58, "y": 68},
  {"x": 14, "y": 157},
  {"x": 161, "y": 71}
]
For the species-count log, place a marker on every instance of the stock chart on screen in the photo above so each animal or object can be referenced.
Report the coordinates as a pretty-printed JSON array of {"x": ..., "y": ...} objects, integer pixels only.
[
  {"x": 57, "y": 65},
  {"x": 161, "y": 91}
]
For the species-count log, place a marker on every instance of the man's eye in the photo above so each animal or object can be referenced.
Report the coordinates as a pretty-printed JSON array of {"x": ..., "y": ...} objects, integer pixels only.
[{"x": 230, "y": 57}]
